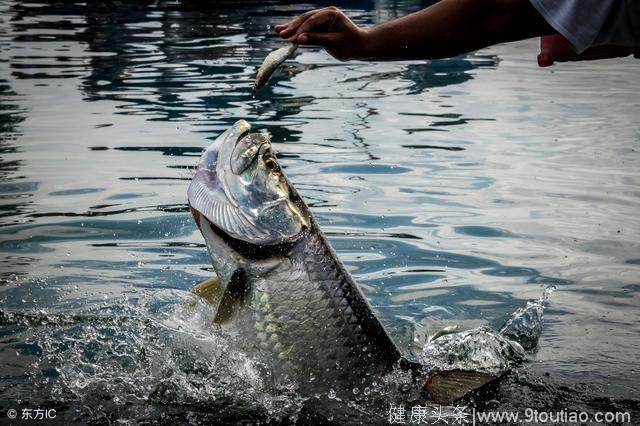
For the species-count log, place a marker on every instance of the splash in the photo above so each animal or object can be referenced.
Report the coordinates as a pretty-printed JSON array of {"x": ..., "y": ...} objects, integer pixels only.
[
  {"x": 158, "y": 354},
  {"x": 525, "y": 324},
  {"x": 485, "y": 350},
  {"x": 138, "y": 358}
]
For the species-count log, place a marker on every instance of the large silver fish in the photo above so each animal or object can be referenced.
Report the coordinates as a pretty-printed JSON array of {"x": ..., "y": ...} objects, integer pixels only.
[
  {"x": 300, "y": 302},
  {"x": 283, "y": 285}
]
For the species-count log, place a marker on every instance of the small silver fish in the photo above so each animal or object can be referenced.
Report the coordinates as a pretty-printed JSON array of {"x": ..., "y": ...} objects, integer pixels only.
[{"x": 271, "y": 64}]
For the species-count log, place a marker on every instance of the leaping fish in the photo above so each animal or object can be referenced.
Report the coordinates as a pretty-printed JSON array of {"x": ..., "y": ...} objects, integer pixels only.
[
  {"x": 281, "y": 285},
  {"x": 270, "y": 64}
]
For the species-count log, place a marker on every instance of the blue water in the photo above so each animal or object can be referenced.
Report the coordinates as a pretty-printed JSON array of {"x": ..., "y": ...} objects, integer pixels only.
[{"x": 453, "y": 190}]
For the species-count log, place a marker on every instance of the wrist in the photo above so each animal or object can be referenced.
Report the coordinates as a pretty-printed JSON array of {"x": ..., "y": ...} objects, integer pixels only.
[{"x": 366, "y": 45}]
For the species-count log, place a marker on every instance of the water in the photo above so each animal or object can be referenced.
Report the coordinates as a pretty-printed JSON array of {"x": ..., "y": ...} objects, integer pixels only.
[{"x": 453, "y": 190}]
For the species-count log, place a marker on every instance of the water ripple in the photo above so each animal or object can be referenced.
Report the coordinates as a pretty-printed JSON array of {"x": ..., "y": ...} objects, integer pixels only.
[{"x": 453, "y": 190}]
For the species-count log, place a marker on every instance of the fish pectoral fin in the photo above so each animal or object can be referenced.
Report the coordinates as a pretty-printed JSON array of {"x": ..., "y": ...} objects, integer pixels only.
[
  {"x": 233, "y": 298},
  {"x": 228, "y": 300},
  {"x": 445, "y": 387},
  {"x": 210, "y": 290}
]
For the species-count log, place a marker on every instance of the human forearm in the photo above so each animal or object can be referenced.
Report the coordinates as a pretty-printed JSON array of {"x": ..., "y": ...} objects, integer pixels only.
[
  {"x": 448, "y": 28},
  {"x": 453, "y": 27}
]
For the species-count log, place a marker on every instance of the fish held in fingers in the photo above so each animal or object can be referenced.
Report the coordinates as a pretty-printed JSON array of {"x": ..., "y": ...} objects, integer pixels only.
[{"x": 271, "y": 64}]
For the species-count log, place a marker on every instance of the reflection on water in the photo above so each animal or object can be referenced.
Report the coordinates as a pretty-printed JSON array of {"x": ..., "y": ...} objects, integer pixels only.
[
  {"x": 452, "y": 189},
  {"x": 12, "y": 193}
]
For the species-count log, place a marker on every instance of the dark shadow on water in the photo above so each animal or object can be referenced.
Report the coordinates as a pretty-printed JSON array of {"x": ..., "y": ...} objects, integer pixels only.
[{"x": 15, "y": 191}]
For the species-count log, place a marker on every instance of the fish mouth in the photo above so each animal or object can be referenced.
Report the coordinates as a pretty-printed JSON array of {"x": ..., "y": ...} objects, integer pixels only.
[
  {"x": 239, "y": 188},
  {"x": 248, "y": 147}
]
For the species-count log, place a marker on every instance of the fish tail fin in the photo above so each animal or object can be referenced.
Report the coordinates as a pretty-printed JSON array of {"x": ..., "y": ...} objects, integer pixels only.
[{"x": 447, "y": 386}]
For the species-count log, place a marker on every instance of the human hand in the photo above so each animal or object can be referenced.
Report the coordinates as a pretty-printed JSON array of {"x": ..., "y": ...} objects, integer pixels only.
[
  {"x": 329, "y": 28},
  {"x": 556, "y": 48}
]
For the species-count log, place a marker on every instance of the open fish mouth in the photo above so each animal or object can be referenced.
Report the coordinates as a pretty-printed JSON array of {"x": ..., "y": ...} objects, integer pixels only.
[{"x": 249, "y": 148}]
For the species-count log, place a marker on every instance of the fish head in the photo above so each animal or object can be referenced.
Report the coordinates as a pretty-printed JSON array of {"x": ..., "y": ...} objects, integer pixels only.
[{"x": 240, "y": 190}]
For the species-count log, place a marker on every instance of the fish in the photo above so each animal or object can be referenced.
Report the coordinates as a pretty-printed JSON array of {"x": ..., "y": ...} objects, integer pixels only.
[
  {"x": 270, "y": 256},
  {"x": 280, "y": 284},
  {"x": 271, "y": 64}
]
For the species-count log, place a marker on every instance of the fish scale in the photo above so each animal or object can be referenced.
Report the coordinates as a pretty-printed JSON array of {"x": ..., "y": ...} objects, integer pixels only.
[{"x": 307, "y": 313}]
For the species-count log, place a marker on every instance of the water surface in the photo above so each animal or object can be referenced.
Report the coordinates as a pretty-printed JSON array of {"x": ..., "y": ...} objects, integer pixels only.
[{"x": 454, "y": 190}]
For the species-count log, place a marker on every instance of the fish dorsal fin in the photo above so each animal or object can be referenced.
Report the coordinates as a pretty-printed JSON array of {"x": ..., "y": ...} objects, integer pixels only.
[
  {"x": 219, "y": 210},
  {"x": 445, "y": 387}
]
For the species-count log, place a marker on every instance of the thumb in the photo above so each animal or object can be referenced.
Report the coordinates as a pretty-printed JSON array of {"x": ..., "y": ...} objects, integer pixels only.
[{"x": 316, "y": 39}]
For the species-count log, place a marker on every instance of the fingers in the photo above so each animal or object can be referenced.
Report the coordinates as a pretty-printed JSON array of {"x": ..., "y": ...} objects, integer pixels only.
[
  {"x": 316, "y": 39},
  {"x": 323, "y": 20},
  {"x": 288, "y": 29},
  {"x": 292, "y": 27}
]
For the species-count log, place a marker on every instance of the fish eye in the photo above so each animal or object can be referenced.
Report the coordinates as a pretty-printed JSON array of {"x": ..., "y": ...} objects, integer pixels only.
[{"x": 270, "y": 163}]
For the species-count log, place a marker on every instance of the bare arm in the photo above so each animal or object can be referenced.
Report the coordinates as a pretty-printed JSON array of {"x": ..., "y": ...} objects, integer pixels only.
[{"x": 447, "y": 28}]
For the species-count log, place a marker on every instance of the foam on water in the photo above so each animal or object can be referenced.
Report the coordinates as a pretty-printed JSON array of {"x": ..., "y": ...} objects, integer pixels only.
[{"x": 486, "y": 350}]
